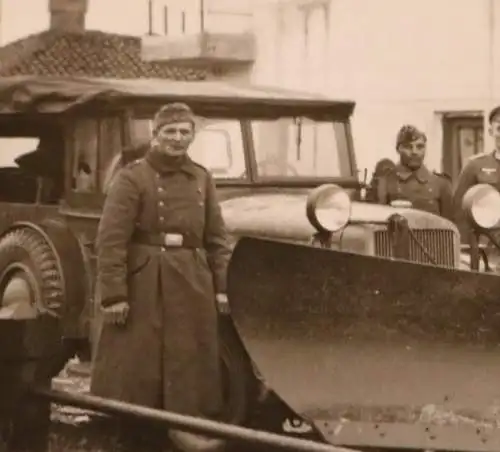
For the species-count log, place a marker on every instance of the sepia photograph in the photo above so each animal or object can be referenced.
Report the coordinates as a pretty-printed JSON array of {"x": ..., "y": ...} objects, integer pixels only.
[{"x": 305, "y": 195}]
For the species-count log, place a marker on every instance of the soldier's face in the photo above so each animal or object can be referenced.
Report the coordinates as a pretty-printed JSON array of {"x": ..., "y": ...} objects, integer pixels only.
[
  {"x": 174, "y": 139},
  {"x": 412, "y": 154},
  {"x": 495, "y": 132}
]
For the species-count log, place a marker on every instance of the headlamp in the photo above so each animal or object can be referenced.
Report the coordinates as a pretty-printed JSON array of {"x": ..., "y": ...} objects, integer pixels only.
[
  {"x": 481, "y": 203},
  {"x": 328, "y": 208}
]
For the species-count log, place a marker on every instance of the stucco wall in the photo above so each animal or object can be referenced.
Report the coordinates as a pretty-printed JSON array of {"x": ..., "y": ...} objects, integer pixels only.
[
  {"x": 402, "y": 61},
  {"x": 129, "y": 16}
]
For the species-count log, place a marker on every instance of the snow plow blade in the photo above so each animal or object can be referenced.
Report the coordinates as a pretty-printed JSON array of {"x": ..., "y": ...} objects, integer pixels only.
[{"x": 373, "y": 352}]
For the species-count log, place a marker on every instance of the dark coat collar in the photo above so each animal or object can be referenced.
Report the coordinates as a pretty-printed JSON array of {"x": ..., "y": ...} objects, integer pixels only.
[
  {"x": 165, "y": 164},
  {"x": 404, "y": 173}
]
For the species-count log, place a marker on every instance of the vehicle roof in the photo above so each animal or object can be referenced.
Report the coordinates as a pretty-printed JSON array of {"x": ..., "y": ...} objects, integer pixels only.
[{"x": 41, "y": 94}]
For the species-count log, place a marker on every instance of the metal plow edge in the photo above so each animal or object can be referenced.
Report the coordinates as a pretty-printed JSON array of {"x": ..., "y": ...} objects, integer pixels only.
[{"x": 373, "y": 352}]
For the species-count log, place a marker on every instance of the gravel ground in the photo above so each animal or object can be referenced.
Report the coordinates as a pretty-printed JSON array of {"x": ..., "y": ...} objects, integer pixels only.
[{"x": 76, "y": 430}]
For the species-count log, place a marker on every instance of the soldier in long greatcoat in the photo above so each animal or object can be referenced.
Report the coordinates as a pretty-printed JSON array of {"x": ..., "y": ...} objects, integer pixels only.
[{"x": 162, "y": 251}]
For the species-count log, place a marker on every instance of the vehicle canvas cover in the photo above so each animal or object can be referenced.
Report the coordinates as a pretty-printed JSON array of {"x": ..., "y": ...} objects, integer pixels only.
[
  {"x": 374, "y": 352},
  {"x": 59, "y": 94}
]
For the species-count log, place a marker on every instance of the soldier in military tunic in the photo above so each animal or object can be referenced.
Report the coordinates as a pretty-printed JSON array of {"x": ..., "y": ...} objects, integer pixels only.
[
  {"x": 162, "y": 253},
  {"x": 480, "y": 169},
  {"x": 412, "y": 181}
]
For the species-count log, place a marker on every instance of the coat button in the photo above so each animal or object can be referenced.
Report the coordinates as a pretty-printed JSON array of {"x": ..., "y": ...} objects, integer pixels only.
[{"x": 161, "y": 204}]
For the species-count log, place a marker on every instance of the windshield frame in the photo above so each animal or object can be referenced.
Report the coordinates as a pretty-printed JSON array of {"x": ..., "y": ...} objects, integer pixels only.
[
  {"x": 350, "y": 180},
  {"x": 252, "y": 177}
]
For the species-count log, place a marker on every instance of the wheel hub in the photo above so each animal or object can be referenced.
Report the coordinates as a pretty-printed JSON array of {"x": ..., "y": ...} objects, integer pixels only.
[{"x": 18, "y": 299}]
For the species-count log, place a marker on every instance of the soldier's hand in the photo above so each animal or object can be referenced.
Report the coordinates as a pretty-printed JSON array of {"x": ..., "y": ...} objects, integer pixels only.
[
  {"x": 116, "y": 313},
  {"x": 222, "y": 303}
]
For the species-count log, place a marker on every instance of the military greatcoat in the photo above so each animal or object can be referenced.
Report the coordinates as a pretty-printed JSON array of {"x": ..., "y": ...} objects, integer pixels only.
[{"x": 166, "y": 355}]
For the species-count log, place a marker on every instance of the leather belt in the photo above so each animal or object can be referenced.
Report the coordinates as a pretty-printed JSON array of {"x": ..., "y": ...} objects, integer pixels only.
[{"x": 166, "y": 239}]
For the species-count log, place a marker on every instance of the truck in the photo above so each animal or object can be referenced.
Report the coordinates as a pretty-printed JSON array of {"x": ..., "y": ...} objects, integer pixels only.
[{"x": 286, "y": 175}]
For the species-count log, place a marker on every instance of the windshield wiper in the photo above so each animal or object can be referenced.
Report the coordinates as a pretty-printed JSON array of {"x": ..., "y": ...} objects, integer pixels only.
[{"x": 298, "y": 140}]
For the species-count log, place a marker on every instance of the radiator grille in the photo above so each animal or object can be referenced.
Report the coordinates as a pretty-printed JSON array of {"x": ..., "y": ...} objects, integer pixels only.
[{"x": 439, "y": 243}]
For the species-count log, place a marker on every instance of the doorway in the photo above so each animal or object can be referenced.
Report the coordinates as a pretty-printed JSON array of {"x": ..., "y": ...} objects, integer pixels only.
[{"x": 463, "y": 137}]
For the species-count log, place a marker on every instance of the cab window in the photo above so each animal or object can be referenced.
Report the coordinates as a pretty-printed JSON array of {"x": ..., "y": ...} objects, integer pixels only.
[
  {"x": 95, "y": 143},
  {"x": 14, "y": 147},
  {"x": 84, "y": 169},
  {"x": 218, "y": 146}
]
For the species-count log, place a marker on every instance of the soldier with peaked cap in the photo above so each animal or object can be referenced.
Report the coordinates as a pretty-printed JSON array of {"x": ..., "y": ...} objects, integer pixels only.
[
  {"x": 480, "y": 169},
  {"x": 412, "y": 181},
  {"x": 162, "y": 252}
]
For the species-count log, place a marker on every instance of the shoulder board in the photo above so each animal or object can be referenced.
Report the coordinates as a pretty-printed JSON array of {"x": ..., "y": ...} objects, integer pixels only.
[
  {"x": 443, "y": 175},
  {"x": 478, "y": 156},
  {"x": 133, "y": 163}
]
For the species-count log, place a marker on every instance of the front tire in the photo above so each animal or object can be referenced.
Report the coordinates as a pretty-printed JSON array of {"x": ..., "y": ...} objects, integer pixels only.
[{"x": 33, "y": 285}]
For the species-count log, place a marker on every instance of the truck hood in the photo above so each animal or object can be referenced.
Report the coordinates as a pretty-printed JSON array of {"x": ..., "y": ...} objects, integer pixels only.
[{"x": 283, "y": 216}]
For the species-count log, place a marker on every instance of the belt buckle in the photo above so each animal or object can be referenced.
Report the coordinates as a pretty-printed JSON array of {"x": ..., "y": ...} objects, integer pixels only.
[{"x": 173, "y": 239}]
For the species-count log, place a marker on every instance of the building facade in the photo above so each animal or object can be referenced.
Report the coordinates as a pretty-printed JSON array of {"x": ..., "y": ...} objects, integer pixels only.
[
  {"x": 131, "y": 17},
  {"x": 432, "y": 63}
]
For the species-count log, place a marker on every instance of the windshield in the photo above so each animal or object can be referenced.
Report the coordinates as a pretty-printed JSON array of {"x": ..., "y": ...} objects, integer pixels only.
[
  {"x": 292, "y": 147},
  {"x": 301, "y": 147}
]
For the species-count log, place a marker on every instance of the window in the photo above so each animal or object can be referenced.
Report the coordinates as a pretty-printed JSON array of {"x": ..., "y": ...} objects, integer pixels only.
[
  {"x": 96, "y": 142},
  {"x": 142, "y": 130},
  {"x": 219, "y": 147},
  {"x": 110, "y": 145},
  {"x": 85, "y": 157},
  {"x": 12, "y": 148},
  {"x": 462, "y": 139},
  {"x": 470, "y": 142},
  {"x": 32, "y": 168},
  {"x": 301, "y": 147}
]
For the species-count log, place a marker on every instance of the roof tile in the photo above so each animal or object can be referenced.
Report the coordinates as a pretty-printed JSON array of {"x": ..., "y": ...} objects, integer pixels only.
[{"x": 91, "y": 54}]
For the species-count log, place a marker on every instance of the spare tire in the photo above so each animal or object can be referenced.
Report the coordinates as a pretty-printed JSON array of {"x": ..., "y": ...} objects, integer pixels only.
[{"x": 33, "y": 286}]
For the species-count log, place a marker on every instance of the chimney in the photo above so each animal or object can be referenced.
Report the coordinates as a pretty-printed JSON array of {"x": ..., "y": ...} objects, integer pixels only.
[{"x": 68, "y": 15}]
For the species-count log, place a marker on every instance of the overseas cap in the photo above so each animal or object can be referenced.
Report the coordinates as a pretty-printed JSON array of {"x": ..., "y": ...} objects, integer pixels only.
[
  {"x": 407, "y": 134},
  {"x": 170, "y": 113}
]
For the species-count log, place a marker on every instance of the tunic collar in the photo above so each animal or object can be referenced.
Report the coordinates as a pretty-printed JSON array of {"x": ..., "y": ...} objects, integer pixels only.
[
  {"x": 422, "y": 174},
  {"x": 165, "y": 164}
]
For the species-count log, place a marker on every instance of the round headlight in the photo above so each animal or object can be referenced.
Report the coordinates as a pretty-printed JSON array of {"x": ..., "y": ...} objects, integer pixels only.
[
  {"x": 328, "y": 208},
  {"x": 482, "y": 205}
]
